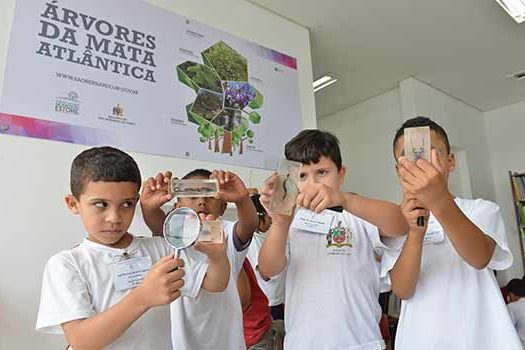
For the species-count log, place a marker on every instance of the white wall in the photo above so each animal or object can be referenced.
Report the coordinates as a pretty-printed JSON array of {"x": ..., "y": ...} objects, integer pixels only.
[
  {"x": 505, "y": 130},
  {"x": 365, "y": 133},
  {"x": 34, "y": 173}
]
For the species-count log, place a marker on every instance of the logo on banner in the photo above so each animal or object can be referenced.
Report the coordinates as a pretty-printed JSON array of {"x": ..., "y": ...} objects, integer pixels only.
[
  {"x": 118, "y": 111},
  {"x": 68, "y": 104},
  {"x": 117, "y": 116}
]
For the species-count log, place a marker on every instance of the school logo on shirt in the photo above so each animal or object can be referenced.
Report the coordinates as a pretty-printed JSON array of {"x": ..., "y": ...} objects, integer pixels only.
[{"x": 339, "y": 236}]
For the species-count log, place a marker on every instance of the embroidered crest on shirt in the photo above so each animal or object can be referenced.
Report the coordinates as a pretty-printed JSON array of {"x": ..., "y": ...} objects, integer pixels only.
[{"x": 339, "y": 236}]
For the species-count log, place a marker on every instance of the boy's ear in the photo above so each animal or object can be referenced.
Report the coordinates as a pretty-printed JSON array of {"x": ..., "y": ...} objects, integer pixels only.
[
  {"x": 451, "y": 160},
  {"x": 342, "y": 173},
  {"x": 72, "y": 204}
]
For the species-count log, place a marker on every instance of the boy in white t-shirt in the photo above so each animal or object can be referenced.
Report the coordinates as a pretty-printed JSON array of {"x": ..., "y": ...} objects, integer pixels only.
[
  {"x": 112, "y": 290},
  {"x": 444, "y": 273},
  {"x": 332, "y": 275},
  {"x": 516, "y": 306},
  {"x": 210, "y": 320}
]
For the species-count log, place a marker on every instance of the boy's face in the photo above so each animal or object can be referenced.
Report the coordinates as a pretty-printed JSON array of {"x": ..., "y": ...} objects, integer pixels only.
[
  {"x": 106, "y": 210},
  {"x": 203, "y": 205},
  {"x": 447, "y": 161},
  {"x": 323, "y": 172},
  {"x": 513, "y": 297}
]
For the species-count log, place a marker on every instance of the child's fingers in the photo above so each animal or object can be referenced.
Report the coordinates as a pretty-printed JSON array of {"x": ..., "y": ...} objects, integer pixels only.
[
  {"x": 175, "y": 295},
  {"x": 406, "y": 174},
  {"x": 162, "y": 261},
  {"x": 300, "y": 199},
  {"x": 167, "y": 176},
  {"x": 175, "y": 275},
  {"x": 219, "y": 175},
  {"x": 229, "y": 176},
  {"x": 150, "y": 184},
  {"x": 159, "y": 180},
  {"x": 175, "y": 285},
  {"x": 167, "y": 198},
  {"x": 436, "y": 162},
  {"x": 271, "y": 181},
  {"x": 325, "y": 203},
  {"x": 319, "y": 197},
  {"x": 170, "y": 265}
]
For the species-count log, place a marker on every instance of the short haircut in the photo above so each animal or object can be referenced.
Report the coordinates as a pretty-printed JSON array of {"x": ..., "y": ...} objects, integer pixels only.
[
  {"x": 517, "y": 287},
  {"x": 197, "y": 173},
  {"x": 310, "y": 145},
  {"x": 106, "y": 164},
  {"x": 258, "y": 206},
  {"x": 422, "y": 121}
]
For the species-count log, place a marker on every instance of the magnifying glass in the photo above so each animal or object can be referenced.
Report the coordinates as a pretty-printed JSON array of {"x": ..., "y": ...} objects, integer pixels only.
[{"x": 181, "y": 228}]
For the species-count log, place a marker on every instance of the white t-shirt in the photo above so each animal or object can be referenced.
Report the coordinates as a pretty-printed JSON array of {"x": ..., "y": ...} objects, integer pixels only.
[
  {"x": 455, "y": 306},
  {"x": 517, "y": 316},
  {"x": 211, "y": 320},
  {"x": 274, "y": 287},
  {"x": 332, "y": 288},
  {"x": 78, "y": 283}
]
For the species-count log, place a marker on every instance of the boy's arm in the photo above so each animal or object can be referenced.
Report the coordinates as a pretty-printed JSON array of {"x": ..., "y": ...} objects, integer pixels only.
[
  {"x": 247, "y": 219},
  {"x": 384, "y": 215},
  {"x": 244, "y": 290},
  {"x": 272, "y": 256},
  {"x": 474, "y": 246},
  {"x": 427, "y": 182},
  {"x": 218, "y": 272},
  {"x": 232, "y": 189},
  {"x": 154, "y": 195},
  {"x": 405, "y": 273},
  {"x": 160, "y": 286}
]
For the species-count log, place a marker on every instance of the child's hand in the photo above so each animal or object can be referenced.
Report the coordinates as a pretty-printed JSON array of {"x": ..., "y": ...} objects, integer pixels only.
[
  {"x": 318, "y": 197},
  {"x": 412, "y": 209},
  {"x": 265, "y": 196},
  {"x": 231, "y": 187},
  {"x": 214, "y": 251},
  {"x": 162, "y": 283},
  {"x": 155, "y": 192},
  {"x": 423, "y": 180}
]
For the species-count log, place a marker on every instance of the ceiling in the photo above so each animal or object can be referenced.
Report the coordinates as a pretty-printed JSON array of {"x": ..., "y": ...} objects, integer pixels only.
[{"x": 466, "y": 48}]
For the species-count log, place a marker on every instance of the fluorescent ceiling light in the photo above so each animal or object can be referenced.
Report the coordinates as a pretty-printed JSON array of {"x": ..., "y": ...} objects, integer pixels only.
[
  {"x": 323, "y": 82},
  {"x": 515, "y": 9}
]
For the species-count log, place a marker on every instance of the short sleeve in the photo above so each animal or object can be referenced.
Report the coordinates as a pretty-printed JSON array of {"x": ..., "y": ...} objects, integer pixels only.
[
  {"x": 65, "y": 295},
  {"x": 236, "y": 257},
  {"x": 487, "y": 217},
  {"x": 386, "y": 249}
]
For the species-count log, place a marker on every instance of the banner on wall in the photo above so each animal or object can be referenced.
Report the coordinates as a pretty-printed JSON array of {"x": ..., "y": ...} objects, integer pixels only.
[{"x": 132, "y": 75}]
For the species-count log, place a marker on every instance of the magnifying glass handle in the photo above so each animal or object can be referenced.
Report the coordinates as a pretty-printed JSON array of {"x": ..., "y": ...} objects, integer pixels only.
[{"x": 177, "y": 254}]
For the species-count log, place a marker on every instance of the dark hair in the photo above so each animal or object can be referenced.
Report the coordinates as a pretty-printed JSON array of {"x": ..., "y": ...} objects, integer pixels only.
[
  {"x": 517, "y": 287},
  {"x": 197, "y": 173},
  {"x": 422, "y": 121},
  {"x": 258, "y": 206},
  {"x": 106, "y": 164},
  {"x": 309, "y": 146}
]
